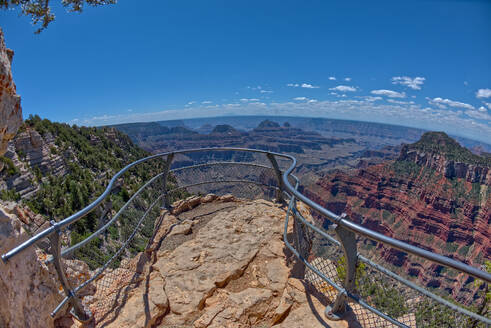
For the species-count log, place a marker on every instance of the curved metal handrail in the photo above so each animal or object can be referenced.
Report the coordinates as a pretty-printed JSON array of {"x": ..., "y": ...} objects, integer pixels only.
[
  {"x": 57, "y": 226},
  {"x": 360, "y": 230},
  {"x": 284, "y": 187},
  {"x": 372, "y": 264}
]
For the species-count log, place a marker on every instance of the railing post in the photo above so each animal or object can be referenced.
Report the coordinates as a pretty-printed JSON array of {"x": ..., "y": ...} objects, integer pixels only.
[
  {"x": 78, "y": 310},
  {"x": 348, "y": 242},
  {"x": 302, "y": 242},
  {"x": 167, "y": 165},
  {"x": 276, "y": 168}
]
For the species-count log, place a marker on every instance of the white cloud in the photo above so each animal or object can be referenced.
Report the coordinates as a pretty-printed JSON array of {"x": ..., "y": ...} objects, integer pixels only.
[
  {"x": 302, "y": 85},
  {"x": 468, "y": 123},
  {"x": 393, "y": 101},
  {"x": 249, "y": 99},
  {"x": 312, "y": 101},
  {"x": 191, "y": 102},
  {"x": 300, "y": 98},
  {"x": 466, "y": 83},
  {"x": 371, "y": 98},
  {"x": 206, "y": 102},
  {"x": 442, "y": 103},
  {"x": 478, "y": 114},
  {"x": 413, "y": 83},
  {"x": 488, "y": 104},
  {"x": 309, "y": 86},
  {"x": 332, "y": 78},
  {"x": 255, "y": 88},
  {"x": 483, "y": 93},
  {"x": 347, "y": 79},
  {"x": 265, "y": 91},
  {"x": 389, "y": 93},
  {"x": 343, "y": 88}
]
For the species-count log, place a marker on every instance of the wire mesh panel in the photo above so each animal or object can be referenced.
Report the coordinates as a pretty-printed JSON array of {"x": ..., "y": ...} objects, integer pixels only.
[
  {"x": 121, "y": 228},
  {"x": 411, "y": 305},
  {"x": 113, "y": 256},
  {"x": 392, "y": 292},
  {"x": 105, "y": 256},
  {"x": 209, "y": 173},
  {"x": 326, "y": 257}
]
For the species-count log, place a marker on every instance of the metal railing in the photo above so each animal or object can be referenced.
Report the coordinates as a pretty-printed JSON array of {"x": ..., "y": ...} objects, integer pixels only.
[{"x": 336, "y": 275}]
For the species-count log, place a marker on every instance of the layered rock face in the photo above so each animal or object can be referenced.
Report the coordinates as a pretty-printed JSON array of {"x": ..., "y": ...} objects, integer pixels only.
[
  {"x": 473, "y": 173},
  {"x": 10, "y": 109},
  {"x": 425, "y": 199},
  {"x": 29, "y": 150}
]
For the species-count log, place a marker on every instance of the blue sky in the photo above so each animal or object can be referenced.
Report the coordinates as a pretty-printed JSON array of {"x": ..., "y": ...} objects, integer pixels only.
[{"x": 416, "y": 63}]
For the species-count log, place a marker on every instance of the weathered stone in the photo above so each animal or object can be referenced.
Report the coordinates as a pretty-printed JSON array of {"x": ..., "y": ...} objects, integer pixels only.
[
  {"x": 29, "y": 289},
  {"x": 227, "y": 198},
  {"x": 182, "y": 229},
  {"x": 10, "y": 109},
  {"x": 208, "y": 198},
  {"x": 146, "y": 305}
]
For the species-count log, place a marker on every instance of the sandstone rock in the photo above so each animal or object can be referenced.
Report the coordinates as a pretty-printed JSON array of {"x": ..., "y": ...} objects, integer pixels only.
[
  {"x": 227, "y": 198},
  {"x": 210, "y": 280},
  {"x": 182, "y": 229},
  {"x": 420, "y": 210},
  {"x": 186, "y": 204},
  {"x": 10, "y": 109},
  {"x": 146, "y": 305},
  {"x": 78, "y": 272},
  {"x": 208, "y": 198},
  {"x": 38, "y": 152},
  {"x": 231, "y": 271},
  {"x": 29, "y": 289},
  {"x": 193, "y": 201}
]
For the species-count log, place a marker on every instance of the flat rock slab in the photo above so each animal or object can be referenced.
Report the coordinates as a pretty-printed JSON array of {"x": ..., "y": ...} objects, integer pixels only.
[
  {"x": 220, "y": 252},
  {"x": 226, "y": 266}
]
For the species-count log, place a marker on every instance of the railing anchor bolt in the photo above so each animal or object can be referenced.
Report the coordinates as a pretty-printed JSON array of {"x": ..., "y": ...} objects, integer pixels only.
[{"x": 338, "y": 309}]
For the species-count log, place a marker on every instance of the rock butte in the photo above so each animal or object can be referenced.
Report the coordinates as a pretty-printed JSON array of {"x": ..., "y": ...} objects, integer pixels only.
[{"x": 421, "y": 213}]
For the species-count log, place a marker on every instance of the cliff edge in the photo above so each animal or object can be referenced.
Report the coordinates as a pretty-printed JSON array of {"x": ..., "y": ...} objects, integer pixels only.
[{"x": 214, "y": 262}]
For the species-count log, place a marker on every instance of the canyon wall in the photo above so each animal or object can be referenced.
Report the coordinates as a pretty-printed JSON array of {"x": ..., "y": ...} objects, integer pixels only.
[
  {"x": 10, "y": 110},
  {"x": 430, "y": 199}
]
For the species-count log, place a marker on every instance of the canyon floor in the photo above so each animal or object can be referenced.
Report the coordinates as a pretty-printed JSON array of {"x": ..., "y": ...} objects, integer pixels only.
[{"x": 217, "y": 263}]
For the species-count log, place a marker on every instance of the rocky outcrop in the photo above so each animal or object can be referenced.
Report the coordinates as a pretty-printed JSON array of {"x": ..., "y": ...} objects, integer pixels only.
[
  {"x": 227, "y": 268},
  {"x": 473, "y": 173},
  {"x": 30, "y": 153},
  {"x": 437, "y": 151},
  {"x": 10, "y": 110},
  {"x": 29, "y": 289},
  {"x": 40, "y": 151},
  {"x": 417, "y": 200}
]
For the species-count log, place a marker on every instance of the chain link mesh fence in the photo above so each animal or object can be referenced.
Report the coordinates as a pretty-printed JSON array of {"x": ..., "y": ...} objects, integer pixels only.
[
  {"x": 113, "y": 262},
  {"x": 389, "y": 295}
]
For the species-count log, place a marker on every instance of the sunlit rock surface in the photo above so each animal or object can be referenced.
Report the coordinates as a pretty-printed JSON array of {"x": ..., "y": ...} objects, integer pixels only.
[
  {"x": 226, "y": 267},
  {"x": 10, "y": 109}
]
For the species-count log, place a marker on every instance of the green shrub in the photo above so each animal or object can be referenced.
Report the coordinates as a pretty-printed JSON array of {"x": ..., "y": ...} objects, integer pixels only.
[
  {"x": 9, "y": 166},
  {"x": 9, "y": 194}
]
